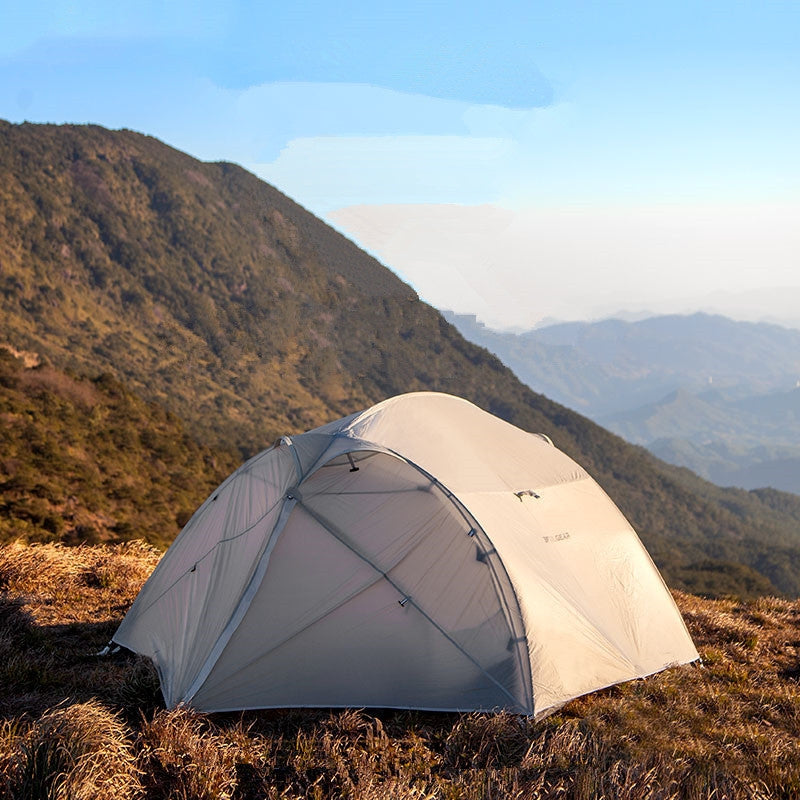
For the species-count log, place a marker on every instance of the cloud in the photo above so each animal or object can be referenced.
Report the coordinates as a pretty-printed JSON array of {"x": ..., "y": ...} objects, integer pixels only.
[
  {"x": 314, "y": 110},
  {"x": 325, "y": 144},
  {"x": 514, "y": 267},
  {"x": 331, "y": 145},
  {"x": 296, "y": 110},
  {"x": 624, "y": 135},
  {"x": 430, "y": 49},
  {"x": 323, "y": 172}
]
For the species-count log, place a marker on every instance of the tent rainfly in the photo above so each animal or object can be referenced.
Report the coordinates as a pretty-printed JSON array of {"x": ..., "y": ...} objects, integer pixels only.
[{"x": 420, "y": 554}]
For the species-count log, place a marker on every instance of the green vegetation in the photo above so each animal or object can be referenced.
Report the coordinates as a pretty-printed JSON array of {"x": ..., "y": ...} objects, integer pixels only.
[
  {"x": 196, "y": 284},
  {"x": 206, "y": 291},
  {"x": 73, "y": 725},
  {"x": 86, "y": 461}
]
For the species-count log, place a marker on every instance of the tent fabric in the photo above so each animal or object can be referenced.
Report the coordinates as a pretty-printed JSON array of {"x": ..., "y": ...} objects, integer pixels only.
[{"x": 420, "y": 554}]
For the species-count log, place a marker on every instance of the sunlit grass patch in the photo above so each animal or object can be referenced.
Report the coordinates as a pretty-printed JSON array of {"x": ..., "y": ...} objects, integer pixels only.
[
  {"x": 72, "y": 724},
  {"x": 80, "y": 751}
]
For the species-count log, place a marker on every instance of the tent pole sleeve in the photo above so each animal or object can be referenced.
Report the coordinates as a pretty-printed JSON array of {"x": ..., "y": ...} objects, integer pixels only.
[
  {"x": 247, "y": 598},
  {"x": 293, "y": 451},
  {"x": 409, "y": 600}
]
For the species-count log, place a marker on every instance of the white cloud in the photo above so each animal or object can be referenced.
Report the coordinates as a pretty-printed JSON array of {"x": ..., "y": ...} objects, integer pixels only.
[
  {"x": 324, "y": 172},
  {"x": 516, "y": 267},
  {"x": 326, "y": 145}
]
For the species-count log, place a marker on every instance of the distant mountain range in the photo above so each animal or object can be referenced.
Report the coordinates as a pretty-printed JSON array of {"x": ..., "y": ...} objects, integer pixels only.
[
  {"x": 206, "y": 291},
  {"x": 718, "y": 396}
]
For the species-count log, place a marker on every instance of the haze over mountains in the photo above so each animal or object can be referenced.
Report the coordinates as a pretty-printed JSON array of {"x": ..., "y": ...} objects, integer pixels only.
[
  {"x": 206, "y": 291},
  {"x": 718, "y": 396}
]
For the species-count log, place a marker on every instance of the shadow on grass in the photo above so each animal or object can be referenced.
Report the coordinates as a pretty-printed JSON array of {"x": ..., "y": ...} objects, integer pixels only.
[{"x": 43, "y": 665}]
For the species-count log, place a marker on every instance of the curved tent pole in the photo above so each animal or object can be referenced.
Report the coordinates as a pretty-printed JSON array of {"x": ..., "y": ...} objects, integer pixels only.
[
  {"x": 503, "y": 584},
  {"x": 246, "y": 467},
  {"x": 252, "y": 586},
  {"x": 287, "y": 440},
  {"x": 406, "y": 599},
  {"x": 519, "y": 639},
  {"x": 292, "y": 498}
]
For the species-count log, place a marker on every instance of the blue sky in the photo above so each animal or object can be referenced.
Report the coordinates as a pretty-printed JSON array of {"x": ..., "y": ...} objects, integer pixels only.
[{"x": 645, "y": 153}]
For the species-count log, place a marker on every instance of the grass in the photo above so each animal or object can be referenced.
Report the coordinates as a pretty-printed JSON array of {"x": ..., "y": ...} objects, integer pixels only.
[{"x": 73, "y": 725}]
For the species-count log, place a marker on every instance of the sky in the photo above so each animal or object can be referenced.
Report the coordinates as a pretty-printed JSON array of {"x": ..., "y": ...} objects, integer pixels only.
[{"x": 521, "y": 161}]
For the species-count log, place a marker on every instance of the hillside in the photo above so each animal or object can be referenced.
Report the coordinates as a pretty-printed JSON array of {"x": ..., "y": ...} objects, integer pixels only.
[
  {"x": 732, "y": 464},
  {"x": 724, "y": 416},
  {"x": 205, "y": 290},
  {"x": 750, "y": 441},
  {"x": 84, "y": 460},
  {"x": 75, "y": 725},
  {"x": 614, "y": 366}
]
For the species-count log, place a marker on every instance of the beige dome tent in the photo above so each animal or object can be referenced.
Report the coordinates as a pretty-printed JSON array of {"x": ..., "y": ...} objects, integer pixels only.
[{"x": 421, "y": 554}]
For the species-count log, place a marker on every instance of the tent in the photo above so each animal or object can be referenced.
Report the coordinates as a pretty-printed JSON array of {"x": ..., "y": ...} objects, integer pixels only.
[{"x": 420, "y": 554}]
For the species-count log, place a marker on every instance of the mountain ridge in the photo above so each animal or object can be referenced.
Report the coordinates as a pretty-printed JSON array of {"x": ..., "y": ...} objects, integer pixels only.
[
  {"x": 209, "y": 292},
  {"x": 645, "y": 359}
]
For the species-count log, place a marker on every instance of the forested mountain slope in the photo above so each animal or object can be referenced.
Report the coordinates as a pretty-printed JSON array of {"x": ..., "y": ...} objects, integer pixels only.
[
  {"x": 208, "y": 291},
  {"x": 84, "y": 460}
]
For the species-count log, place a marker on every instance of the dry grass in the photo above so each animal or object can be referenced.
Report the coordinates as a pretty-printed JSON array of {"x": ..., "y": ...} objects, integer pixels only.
[
  {"x": 72, "y": 725},
  {"x": 80, "y": 751},
  {"x": 182, "y": 757},
  {"x": 76, "y": 584},
  {"x": 58, "y": 606}
]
